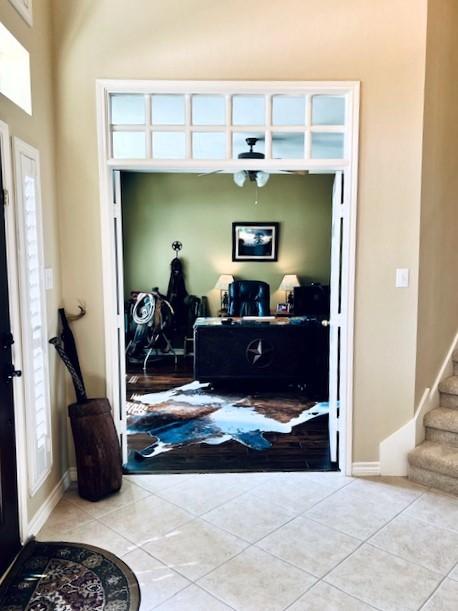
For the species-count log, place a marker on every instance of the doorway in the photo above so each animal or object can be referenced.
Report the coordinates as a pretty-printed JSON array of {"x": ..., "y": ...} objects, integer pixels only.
[
  {"x": 195, "y": 126},
  {"x": 9, "y": 501},
  {"x": 268, "y": 412}
]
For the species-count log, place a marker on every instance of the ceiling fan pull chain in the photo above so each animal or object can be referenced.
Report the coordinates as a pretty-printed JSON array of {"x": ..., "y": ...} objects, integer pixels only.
[{"x": 256, "y": 200}]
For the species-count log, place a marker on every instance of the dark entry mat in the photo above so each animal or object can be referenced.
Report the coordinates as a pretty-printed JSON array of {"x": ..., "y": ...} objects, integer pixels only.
[{"x": 69, "y": 577}]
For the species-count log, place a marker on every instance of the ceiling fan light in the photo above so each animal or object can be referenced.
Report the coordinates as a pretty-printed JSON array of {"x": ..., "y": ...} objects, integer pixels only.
[
  {"x": 240, "y": 178},
  {"x": 262, "y": 178}
]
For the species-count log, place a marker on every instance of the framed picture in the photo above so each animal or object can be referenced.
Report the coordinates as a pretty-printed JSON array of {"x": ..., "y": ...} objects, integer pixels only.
[
  {"x": 283, "y": 308},
  {"x": 255, "y": 241},
  {"x": 24, "y": 8}
]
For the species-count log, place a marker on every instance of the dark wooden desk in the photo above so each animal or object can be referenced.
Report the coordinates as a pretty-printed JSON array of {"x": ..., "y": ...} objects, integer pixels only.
[{"x": 279, "y": 352}]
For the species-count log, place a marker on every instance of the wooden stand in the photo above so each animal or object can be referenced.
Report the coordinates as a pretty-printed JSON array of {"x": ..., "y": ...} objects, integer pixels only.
[{"x": 98, "y": 454}]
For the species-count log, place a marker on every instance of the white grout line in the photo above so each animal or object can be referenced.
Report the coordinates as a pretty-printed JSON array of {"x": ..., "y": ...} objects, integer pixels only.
[
  {"x": 170, "y": 598},
  {"x": 254, "y": 544},
  {"x": 199, "y": 515},
  {"x": 413, "y": 519},
  {"x": 279, "y": 505},
  {"x": 336, "y": 588},
  {"x": 250, "y": 545},
  {"x": 425, "y": 521},
  {"x": 202, "y": 586},
  {"x": 363, "y": 542},
  {"x": 451, "y": 571},
  {"x": 432, "y": 593},
  {"x": 439, "y": 585}
]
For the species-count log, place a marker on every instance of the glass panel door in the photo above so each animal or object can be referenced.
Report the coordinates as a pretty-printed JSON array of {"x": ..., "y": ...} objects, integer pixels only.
[{"x": 335, "y": 322}]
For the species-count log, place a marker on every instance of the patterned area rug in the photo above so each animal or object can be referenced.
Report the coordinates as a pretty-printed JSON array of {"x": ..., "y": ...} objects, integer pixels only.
[{"x": 69, "y": 577}]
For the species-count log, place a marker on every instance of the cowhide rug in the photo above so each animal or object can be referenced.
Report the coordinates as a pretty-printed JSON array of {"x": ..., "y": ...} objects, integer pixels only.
[{"x": 195, "y": 413}]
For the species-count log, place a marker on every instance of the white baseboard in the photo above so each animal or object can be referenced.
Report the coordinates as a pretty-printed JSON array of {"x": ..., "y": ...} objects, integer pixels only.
[
  {"x": 394, "y": 449},
  {"x": 39, "y": 519},
  {"x": 365, "y": 469}
]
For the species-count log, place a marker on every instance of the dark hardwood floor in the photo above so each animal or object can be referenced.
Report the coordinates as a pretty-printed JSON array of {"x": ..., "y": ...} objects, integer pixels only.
[{"x": 306, "y": 448}]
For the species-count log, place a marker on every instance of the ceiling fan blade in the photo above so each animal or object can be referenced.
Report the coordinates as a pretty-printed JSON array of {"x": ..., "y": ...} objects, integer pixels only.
[
  {"x": 275, "y": 137},
  {"x": 298, "y": 172},
  {"x": 210, "y": 173}
]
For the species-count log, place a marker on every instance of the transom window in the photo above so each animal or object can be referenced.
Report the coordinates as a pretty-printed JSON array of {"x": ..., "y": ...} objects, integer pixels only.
[{"x": 215, "y": 126}]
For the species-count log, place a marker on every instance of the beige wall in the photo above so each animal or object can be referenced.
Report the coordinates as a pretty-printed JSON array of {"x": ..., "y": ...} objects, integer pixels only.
[
  {"x": 38, "y": 130},
  {"x": 381, "y": 43},
  {"x": 438, "y": 282},
  {"x": 160, "y": 208}
]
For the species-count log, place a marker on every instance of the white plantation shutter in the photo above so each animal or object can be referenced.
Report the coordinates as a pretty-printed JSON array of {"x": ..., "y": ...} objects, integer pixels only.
[{"x": 33, "y": 314}]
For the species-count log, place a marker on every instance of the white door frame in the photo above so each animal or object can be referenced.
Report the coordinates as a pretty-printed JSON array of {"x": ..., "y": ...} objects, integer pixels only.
[
  {"x": 15, "y": 316},
  {"x": 114, "y": 319}
]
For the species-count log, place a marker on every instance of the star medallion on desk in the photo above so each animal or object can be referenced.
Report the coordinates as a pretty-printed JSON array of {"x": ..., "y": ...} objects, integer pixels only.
[{"x": 259, "y": 353}]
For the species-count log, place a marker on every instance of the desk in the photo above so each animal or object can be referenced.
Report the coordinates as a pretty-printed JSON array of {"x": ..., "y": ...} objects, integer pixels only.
[{"x": 282, "y": 351}]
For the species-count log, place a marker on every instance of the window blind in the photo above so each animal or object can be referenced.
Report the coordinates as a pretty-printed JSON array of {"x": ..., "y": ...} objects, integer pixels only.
[{"x": 33, "y": 314}]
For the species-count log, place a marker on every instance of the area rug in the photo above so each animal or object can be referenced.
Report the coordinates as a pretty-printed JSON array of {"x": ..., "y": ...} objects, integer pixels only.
[
  {"x": 197, "y": 414},
  {"x": 69, "y": 577}
]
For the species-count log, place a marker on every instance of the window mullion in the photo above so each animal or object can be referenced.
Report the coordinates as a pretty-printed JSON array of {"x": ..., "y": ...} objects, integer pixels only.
[
  {"x": 308, "y": 125},
  {"x": 228, "y": 127},
  {"x": 268, "y": 128},
  {"x": 149, "y": 133},
  {"x": 188, "y": 123}
]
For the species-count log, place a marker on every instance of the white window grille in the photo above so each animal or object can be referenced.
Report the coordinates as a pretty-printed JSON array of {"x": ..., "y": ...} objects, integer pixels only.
[
  {"x": 213, "y": 126},
  {"x": 33, "y": 314}
]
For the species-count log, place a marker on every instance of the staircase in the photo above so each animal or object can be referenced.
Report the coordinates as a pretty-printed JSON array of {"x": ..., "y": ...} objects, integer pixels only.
[{"x": 435, "y": 462}]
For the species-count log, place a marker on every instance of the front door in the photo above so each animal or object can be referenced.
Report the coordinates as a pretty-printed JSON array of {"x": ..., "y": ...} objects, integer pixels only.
[{"x": 9, "y": 516}]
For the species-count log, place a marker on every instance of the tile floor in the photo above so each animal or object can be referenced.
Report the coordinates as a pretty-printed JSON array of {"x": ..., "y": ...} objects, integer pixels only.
[{"x": 267, "y": 542}]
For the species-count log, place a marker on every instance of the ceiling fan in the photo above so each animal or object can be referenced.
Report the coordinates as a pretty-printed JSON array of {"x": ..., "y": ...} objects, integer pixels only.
[{"x": 257, "y": 176}]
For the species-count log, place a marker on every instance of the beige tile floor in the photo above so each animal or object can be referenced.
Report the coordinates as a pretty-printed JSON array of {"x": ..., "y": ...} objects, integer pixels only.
[{"x": 268, "y": 542}]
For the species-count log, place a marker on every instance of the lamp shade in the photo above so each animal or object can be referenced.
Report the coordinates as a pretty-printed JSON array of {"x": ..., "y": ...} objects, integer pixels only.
[
  {"x": 289, "y": 282},
  {"x": 224, "y": 281}
]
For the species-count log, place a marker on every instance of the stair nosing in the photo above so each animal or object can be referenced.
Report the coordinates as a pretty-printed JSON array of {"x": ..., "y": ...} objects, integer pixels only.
[
  {"x": 441, "y": 409},
  {"x": 419, "y": 450},
  {"x": 443, "y": 386}
]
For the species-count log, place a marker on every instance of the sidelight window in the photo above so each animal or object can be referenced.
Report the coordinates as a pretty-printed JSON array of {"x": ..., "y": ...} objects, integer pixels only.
[{"x": 33, "y": 314}]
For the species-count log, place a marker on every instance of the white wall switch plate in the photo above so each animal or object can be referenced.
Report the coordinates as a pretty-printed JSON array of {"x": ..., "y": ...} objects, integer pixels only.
[
  {"x": 49, "y": 279},
  {"x": 402, "y": 278}
]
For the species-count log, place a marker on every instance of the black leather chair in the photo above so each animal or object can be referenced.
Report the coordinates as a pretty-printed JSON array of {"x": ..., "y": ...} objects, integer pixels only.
[{"x": 249, "y": 298}]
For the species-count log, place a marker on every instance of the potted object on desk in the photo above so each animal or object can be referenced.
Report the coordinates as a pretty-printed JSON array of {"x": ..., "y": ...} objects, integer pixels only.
[{"x": 98, "y": 454}]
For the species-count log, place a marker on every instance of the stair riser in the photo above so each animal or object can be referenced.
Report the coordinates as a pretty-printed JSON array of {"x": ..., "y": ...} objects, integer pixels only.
[
  {"x": 433, "y": 480},
  {"x": 439, "y": 436},
  {"x": 447, "y": 400}
]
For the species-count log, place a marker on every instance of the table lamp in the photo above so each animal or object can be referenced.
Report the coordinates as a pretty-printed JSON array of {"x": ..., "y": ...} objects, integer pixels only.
[
  {"x": 222, "y": 284},
  {"x": 287, "y": 284}
]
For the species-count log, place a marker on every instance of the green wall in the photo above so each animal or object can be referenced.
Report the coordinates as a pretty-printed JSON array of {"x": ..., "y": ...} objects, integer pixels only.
[{"x": 199, "y": 211}]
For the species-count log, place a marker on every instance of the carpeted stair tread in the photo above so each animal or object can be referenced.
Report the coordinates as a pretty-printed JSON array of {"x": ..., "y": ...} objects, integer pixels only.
[
  {"x": 449, "y": 385},
  {"x": 433, "y": 479},
  {"x": 442, "y": 418},
  {"x": 436, "y": 457}
]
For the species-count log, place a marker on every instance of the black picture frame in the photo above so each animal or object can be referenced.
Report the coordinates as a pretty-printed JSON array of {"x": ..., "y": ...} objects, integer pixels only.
[{"x": 255, "y": 241}]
